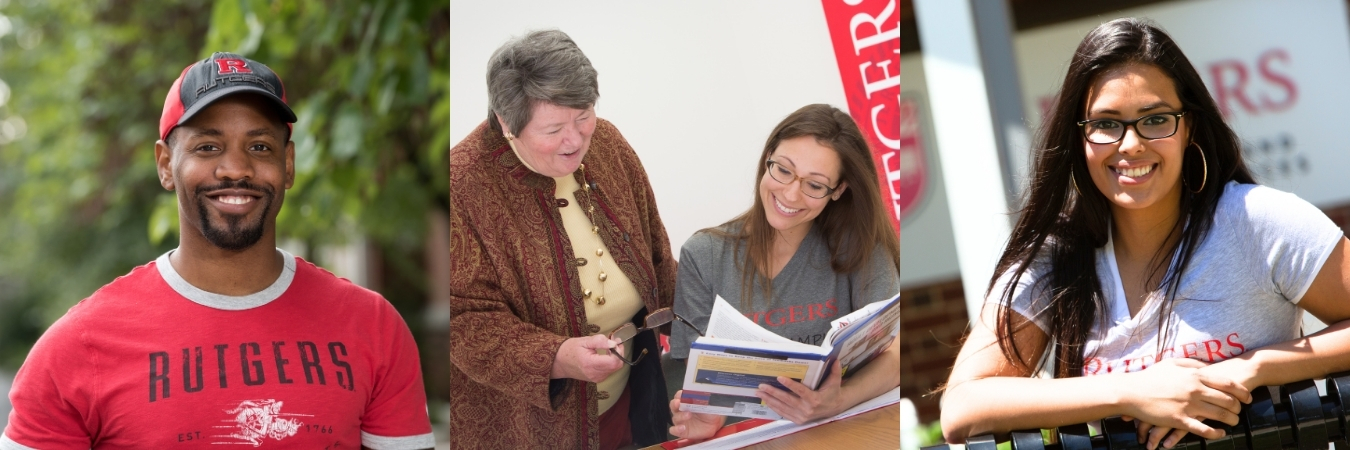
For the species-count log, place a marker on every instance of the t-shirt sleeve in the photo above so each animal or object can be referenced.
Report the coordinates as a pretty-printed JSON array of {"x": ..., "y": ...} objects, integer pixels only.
[
  {"x": 1295, "y": 237},
  {"x": 693, "y": 292},
  {"x": 1029, "y": 298},
  {"x": 880, "y": 282},
  {"x": 396, "y": 416},
  {"x": 49, "y": 413}
]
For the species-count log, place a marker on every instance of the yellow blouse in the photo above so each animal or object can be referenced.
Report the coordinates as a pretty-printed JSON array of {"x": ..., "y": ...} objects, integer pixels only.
[{"x": 621, "y": 297}]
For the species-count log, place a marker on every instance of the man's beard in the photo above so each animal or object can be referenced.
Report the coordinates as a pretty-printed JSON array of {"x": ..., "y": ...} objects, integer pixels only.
[{"x": 236, "y": 235}]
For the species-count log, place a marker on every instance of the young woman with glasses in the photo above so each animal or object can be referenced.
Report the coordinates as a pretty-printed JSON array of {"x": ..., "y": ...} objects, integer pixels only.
[
  {"x": 1157, "y": 280},
  {"x": 815, "y": 245}
]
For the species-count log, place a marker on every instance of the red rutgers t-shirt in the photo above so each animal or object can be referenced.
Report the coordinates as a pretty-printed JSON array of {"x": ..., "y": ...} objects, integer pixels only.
[{"x": 149, "y": 361}]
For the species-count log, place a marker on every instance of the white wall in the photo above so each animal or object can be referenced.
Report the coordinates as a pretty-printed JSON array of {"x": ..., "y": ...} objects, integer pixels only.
[{"x": 695, "y": 86}]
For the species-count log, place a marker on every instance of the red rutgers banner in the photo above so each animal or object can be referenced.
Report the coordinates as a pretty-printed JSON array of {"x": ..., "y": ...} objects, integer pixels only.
[{"x": 866, "y": 36}]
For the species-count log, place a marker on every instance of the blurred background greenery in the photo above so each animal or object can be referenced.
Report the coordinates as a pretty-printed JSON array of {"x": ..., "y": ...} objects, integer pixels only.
[{"x": 82, "y": 83}]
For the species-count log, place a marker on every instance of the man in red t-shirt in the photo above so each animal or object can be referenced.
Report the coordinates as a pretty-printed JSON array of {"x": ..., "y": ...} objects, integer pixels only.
[{"x": 226, "y": 339}]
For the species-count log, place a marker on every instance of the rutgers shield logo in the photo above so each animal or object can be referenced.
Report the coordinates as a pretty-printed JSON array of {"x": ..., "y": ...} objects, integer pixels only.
[
  {"x": 913, "y": 179},
  {"x": 231, "y": 65}
]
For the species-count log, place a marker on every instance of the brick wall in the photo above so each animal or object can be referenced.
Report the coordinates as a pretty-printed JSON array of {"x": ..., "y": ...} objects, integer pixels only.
[
  {"x": 1341, "y": 216},
  {"x": 933, "y": 320}
]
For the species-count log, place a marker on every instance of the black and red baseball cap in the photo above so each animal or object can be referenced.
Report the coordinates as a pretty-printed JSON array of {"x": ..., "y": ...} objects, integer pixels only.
[{"x": 214, "y": 78}]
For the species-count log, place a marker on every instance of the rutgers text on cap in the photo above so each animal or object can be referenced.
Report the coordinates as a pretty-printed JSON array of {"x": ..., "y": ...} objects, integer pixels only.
[{"x": 215, "y": 78}]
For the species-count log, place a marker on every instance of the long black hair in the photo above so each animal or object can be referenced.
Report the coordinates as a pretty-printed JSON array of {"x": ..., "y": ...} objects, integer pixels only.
[{"x": 1065, "y": 224}]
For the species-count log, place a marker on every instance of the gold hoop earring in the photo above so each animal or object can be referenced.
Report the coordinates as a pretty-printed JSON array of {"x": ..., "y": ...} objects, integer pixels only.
[
  {"x": 509, "y": 137},
  {"x": 1074, "y": 183},
  {"x": 1204, "y": 164}
]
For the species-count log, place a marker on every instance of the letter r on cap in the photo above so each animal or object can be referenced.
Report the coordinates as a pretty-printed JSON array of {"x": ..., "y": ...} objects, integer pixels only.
[{"x": 233, "y": 66}]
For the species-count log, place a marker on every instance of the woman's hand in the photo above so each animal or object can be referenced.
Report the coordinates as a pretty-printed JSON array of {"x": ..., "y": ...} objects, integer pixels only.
[
  {"x": 1176, "y": 395},
  {"x": 1236, "y": 370},
  {"x": 801, "y": 404},
  {"x": 578, "y": 358},
  {"x": 691, "y": 426},
  {"x": 1152, "y": 436}
]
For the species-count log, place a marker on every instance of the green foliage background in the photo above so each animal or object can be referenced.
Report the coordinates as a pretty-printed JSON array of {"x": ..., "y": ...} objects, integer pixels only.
[{"x": 82, "y": 83}]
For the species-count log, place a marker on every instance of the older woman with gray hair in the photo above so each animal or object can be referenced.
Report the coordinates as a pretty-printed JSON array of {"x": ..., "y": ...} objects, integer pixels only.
[{"x": 556, "y": 245}]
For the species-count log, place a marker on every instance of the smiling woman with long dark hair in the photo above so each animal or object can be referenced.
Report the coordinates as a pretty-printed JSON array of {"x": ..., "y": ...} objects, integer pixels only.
[{"x": 1147, "y": 273}]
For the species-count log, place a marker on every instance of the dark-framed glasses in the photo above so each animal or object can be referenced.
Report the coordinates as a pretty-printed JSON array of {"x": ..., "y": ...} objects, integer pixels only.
[
  {"x": 1152, "y": 126},
  {"x": 654, "y": 320},
  {"x": 785, "y": 175}
]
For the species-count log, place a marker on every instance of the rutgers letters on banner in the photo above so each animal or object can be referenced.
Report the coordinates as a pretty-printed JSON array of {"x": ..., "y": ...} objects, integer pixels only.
[{"x": 866, "y": 37}]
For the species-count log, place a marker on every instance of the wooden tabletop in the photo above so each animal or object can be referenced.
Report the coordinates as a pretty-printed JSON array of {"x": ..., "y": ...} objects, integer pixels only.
[{"x": 878, "y": 429}]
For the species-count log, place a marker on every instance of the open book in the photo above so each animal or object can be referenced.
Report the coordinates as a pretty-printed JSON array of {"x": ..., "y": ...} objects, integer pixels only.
[{"x": 736, "y": 355}]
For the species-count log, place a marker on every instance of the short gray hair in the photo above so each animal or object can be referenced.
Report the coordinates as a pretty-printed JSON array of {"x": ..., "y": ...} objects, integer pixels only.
[{"x": 542, "y": 66}]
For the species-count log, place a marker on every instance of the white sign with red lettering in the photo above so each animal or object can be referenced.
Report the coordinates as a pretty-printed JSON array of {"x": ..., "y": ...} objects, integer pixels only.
[{"x": 1280, "y": 74}]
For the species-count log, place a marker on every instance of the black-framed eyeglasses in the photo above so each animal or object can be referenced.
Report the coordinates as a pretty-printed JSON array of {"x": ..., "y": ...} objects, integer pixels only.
[
  {"x": 1152, "y": 126},
  {"x": 811, "y": 188},
  {"x": 654, "y": 320}
]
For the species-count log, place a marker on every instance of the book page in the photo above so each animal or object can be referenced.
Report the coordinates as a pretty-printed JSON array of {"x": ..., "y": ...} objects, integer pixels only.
[
  {"x": 737, "y": 355},
  {"x": 726, "y": 322},
  {"x": 723, "y": 375}
]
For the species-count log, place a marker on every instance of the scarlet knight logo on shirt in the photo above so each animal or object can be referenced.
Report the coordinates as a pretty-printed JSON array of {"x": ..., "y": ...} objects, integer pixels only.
[
  {"x": 256, "y": 421},
  {"x": 1210, "y": 351}
]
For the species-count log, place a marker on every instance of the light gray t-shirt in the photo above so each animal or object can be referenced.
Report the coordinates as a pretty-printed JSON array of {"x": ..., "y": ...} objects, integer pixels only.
[
  {"x": 1240, "y": 292},
  {"x": 808, "y": 294}
]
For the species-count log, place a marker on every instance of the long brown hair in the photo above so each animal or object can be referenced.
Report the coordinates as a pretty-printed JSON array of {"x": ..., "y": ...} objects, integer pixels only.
[
  {"x": 1064, "y": 226},
  {"x": 853, "y": 226}
]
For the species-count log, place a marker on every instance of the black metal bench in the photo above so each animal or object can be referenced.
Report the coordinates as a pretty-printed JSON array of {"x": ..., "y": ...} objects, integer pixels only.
[{"x": 1292, "y": 416}]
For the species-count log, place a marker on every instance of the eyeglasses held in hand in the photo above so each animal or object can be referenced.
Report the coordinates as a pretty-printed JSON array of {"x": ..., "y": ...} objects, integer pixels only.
[
  {"x": 1110, "y": 131},
  {"x": 811, "y": 188},
  {"x": 654, "y": 320}
]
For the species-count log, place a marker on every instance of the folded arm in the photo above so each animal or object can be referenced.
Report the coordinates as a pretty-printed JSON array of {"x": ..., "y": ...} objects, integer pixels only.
[
  {"x": 987, "y": 393},
  {"x": 1313, "y": 356}
]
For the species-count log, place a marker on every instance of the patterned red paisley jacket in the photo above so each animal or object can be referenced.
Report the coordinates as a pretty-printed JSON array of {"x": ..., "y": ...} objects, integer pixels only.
[{"x": 515, "y": 296}]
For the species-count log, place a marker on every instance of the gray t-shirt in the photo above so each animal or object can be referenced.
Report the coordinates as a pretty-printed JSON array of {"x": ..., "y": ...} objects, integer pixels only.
[
  {"x": 1241, "y": 291},
  {"x": 808, "y": 294}
]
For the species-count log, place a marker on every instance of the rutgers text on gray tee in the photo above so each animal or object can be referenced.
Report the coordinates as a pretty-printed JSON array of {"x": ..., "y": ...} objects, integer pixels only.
[
  {"x": 808, "y": 294},
  {"x": 1240, "y": 293}
]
